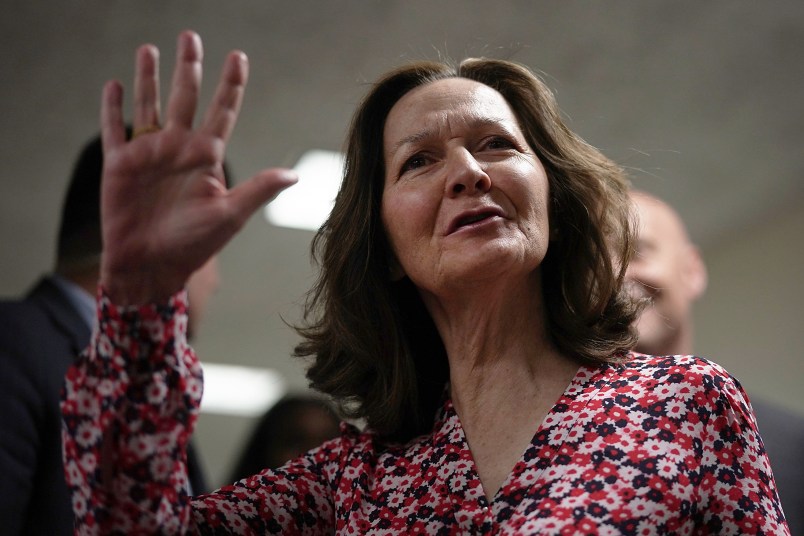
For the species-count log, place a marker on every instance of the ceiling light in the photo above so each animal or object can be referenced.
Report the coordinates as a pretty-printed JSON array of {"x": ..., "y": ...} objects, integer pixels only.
[
  {"x": 238, "y": 390},
  {"x": 307, "y": 204}
]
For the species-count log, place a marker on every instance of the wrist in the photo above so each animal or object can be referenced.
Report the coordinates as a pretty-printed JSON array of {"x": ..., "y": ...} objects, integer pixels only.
[{"x": 139, "y": 287}]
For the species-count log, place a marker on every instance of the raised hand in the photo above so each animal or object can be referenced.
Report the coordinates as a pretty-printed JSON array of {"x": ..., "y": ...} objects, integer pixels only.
[{"x": 165, "y": 208}]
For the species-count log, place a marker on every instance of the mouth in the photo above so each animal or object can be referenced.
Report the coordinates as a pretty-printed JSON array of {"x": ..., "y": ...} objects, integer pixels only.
[{"x": 473, "y": 217}]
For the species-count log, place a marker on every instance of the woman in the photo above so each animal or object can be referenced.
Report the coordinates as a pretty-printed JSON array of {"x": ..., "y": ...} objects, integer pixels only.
[
  {"x": 294, "y": 425},
  {"x": 469, "y": 308}
]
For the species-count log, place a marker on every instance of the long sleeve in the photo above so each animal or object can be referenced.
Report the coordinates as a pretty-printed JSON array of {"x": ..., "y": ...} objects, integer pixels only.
[
  {"x": 128, "y": 407},
  {"x": 298, "y": 498}
]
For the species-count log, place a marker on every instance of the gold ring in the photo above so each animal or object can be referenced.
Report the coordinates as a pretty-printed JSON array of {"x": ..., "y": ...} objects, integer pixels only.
[{"x": 141, "y": 131}]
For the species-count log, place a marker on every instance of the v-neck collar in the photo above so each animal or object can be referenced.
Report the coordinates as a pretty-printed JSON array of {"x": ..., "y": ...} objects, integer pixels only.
[{"x": 458, "y": 471}]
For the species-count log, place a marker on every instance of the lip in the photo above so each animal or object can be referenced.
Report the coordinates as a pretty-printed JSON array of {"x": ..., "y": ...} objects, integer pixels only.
[{"x": 468, "y": 218}]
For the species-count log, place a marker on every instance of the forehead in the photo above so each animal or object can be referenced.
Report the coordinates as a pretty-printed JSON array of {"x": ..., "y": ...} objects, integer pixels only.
[
  {"x": 446, "y": 104},
  {"x": 657, "y": 221}
]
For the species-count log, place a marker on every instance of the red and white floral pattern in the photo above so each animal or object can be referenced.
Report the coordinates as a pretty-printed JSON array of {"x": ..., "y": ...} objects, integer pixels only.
[{"x": 658, "y": 445}]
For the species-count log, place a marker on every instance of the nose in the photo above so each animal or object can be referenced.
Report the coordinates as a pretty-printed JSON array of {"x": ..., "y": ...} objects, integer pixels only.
[{"x": 465, "y": 175}]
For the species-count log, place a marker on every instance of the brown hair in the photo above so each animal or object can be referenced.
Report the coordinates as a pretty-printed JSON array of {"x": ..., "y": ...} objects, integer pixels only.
[{"x": 376, "y": 348}]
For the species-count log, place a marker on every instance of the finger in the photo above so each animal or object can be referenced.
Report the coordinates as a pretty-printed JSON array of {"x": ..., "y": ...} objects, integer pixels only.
[
  {"x": 186, "y": 82},
  {"x": 146, "y": 88},
  {"x": 113, "y": 131},
  {"x": 225, "y": 107},
  {"x": 249, "y": 196}
]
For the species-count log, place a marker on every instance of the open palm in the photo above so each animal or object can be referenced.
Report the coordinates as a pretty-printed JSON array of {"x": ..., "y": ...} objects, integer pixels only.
[{"x": 164, "y": 204}]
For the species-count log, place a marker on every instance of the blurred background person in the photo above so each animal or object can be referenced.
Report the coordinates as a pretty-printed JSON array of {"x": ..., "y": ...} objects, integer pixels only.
[
  {"x": 291, "y": 427},
  {"x": 669, "y": 270},
  {"x": 40, "y": 335}
]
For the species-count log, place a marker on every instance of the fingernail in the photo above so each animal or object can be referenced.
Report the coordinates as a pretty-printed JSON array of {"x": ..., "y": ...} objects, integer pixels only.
[{"x": 290, "y": 176}]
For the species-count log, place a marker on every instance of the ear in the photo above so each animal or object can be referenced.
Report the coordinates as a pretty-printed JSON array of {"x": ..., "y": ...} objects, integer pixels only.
[{"x": 695, "y": 275}]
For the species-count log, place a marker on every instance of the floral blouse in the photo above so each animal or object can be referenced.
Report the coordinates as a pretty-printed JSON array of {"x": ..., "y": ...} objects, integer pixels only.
[{"x": 658, "y": 445}]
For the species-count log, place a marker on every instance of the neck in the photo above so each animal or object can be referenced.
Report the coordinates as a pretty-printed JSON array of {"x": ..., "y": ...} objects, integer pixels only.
[
  {"x": 505, "y": 373},
  {"x": 497, "y": 345},
  {"x": 86, "y": 278},
  {"x": 681, "y": 343}
]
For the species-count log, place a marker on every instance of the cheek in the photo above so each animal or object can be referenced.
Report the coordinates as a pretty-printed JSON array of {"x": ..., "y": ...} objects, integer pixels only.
[
  {"x": 658, "y": 273},
  {"x": 408, "y": 217},
  {"x": 391, "y": 222},
  {"x": 532, "y": 188},
  {"x": 536, "y": 206}
]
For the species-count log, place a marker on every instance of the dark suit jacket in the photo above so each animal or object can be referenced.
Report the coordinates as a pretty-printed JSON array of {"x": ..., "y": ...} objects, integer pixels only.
[
  {"x": 39, "y": 339},
  {"x": 782, "y": 431}
]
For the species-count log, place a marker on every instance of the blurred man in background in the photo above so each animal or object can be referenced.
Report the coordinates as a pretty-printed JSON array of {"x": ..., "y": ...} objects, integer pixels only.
[
  {"x": 668, "y": 269},
  {"x": 40, "y": 335}
]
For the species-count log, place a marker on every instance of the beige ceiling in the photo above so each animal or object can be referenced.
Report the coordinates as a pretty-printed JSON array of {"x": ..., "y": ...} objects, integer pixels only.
[{"x": 701, "y": 100}]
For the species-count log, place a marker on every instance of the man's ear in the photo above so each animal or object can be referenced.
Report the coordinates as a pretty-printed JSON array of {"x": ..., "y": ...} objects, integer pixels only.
[{"x": 695, "y": 275}]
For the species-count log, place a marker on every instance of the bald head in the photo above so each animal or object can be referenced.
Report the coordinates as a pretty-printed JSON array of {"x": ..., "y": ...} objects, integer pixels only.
[{"x": 669, "y": 271}]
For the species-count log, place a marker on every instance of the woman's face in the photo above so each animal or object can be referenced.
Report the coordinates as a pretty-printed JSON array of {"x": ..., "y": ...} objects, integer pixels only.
[{"x": 465, "y": 197}]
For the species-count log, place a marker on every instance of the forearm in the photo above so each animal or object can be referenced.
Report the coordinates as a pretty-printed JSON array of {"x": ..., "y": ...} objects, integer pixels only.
[{"x": 129, "y": 407}]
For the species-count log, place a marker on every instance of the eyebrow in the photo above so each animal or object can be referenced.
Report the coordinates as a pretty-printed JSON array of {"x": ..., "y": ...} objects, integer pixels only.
[{"x": 431, "y": 132}]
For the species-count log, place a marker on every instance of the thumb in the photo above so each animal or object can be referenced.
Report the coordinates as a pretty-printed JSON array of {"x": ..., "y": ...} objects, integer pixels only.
[{"x": 260, "y": 189}]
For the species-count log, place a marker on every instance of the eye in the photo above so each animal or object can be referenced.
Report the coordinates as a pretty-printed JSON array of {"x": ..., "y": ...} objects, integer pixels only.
[
  {"x": 499, "y": 142},
  {"x": 643, "y": 248},
  {"x": 414, "y": 162}
]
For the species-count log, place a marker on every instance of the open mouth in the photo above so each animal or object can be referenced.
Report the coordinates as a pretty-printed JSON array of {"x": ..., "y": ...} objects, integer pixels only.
[{"x": 472, "y": 218}]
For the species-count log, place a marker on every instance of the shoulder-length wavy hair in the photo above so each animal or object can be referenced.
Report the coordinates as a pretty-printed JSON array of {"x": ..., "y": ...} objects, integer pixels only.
[{"x": 375, "y": 347}]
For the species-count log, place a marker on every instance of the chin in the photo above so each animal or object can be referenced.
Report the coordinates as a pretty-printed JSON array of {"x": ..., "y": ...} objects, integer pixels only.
[
  {"x": 486, "y": 263},
  {"x": 511, "y": 251}
]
